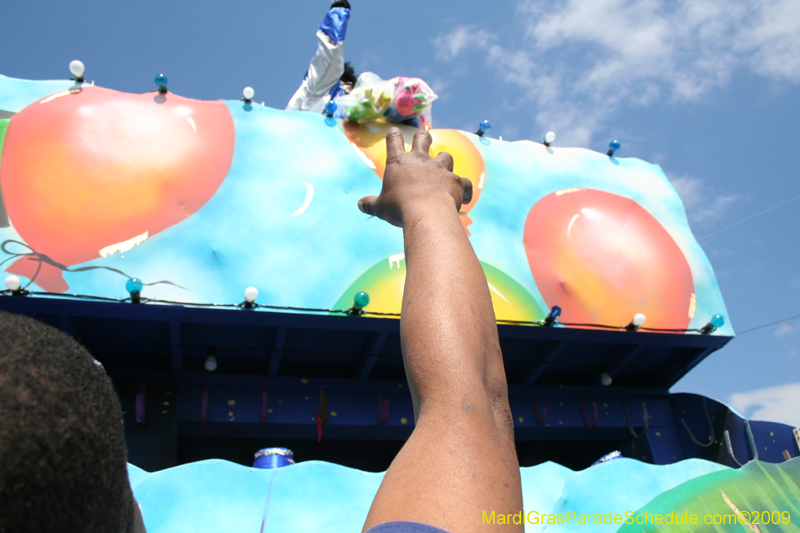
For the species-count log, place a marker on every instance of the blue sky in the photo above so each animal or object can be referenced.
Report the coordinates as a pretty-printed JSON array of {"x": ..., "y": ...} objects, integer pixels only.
[{"x": 708, "y": 89}]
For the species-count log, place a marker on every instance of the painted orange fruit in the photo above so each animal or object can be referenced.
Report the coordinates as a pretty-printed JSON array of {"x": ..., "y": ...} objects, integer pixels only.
[
  {"x": 369, "y": 142},
  {"x": 603, "y": 258},
  {"x": 89, "y": 169}
]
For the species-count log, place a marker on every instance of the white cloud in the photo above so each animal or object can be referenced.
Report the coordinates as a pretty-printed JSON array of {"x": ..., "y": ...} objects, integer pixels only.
[
  {"x": 773, "y": 41},
  {"x": 785, "y": 330},
  {"x": 775, "y": 404},
  {"x": 463, "y": 37},
  {"x": 599, "y": 53},
  {"x": 442, "y": 85},
  {"x": 702, "y": 205}
]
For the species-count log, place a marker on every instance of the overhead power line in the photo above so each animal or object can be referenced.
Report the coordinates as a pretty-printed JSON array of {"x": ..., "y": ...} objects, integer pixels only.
[
  {"x": 767, "y": 325},
  {"x": 749, "y": 218}
]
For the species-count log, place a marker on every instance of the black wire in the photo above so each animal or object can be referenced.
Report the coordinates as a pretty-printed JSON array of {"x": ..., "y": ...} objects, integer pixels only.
[
  {"x": 767, "y": 325},
  {"x": 63, "y": 295},
  {"x": 748, "y": 218},
  {"x": 538, "y": 323},
  {"x": 667, "y": 329},
  {"x": 342, "y": 311},
  {"x": 591, "y": 325}
]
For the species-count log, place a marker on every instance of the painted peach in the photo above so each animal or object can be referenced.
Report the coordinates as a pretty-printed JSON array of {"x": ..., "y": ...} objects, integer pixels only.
[
  {"x": 603, "y": 258},
  {"x": 369, "y": 141},
  {"x": 89, "y": 168}
]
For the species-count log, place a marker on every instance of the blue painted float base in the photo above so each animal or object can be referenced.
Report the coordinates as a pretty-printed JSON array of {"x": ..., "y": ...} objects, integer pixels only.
[{"x": 315, "y": 496}]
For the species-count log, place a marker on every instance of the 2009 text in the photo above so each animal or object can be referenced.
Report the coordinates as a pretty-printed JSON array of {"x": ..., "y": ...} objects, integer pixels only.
[{"x": 639, "y": 518}]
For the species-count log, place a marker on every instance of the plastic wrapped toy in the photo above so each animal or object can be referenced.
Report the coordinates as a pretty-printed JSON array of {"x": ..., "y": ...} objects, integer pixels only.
[
  {"x": 411, "y": 103},
  {"x": 367, "y": 101},
  {"x": 401, "y": 100}
]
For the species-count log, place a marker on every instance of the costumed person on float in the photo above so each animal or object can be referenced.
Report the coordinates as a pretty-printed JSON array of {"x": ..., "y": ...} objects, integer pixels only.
[
  {"x": 365, "y": 98},
  {"x": 327, "y": 76}
]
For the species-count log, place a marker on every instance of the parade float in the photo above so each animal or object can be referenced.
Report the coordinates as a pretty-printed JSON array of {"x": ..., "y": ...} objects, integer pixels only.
[{"x": 211, "y": 255}]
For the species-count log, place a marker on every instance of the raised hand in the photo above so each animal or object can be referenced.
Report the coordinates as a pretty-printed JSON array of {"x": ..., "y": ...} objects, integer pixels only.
[{"x": 415, "y": 183}]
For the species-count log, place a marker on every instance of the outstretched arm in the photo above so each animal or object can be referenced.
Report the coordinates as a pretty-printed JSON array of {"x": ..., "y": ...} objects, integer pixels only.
[
  {"x": 327, "y": 65},
  {"x": 460, "y": 460}
]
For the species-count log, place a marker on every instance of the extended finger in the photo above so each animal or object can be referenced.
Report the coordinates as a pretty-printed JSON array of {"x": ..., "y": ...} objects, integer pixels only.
[
  {"x": 445, "y": 159},
  {"x": 394, "y": 143},
  {"x": 422, "y": 142},
  {"x": 467, "y": 197}
]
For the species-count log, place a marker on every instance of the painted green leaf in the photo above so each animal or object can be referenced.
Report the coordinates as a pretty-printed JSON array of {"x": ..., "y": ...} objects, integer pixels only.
[
  {"x": 3, "y": 127},
  {"x": 758, "y": 498}
]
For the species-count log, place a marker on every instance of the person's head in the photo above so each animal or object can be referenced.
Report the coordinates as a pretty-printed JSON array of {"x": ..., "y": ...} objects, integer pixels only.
[
  {"x": 348, "y": 79},
  {"x": 62, "y": 442}
]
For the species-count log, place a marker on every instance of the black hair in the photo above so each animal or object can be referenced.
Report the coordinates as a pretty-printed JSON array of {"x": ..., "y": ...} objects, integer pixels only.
[
  {"x": 62, "y": 441},
  {"x": 349, "y": 75}
]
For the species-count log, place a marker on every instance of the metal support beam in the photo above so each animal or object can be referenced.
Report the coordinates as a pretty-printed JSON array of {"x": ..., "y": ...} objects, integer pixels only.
[
  {"x": 628, "y": 358},
  {"x": 277, "y": 351},
  {"x": 694, "y": 362},
  {"x": 176, "y": 351},
  {"x": 536, "y": 369},
  {"x": 367, "y": 363},
  {"x": 110, "y": 331}
]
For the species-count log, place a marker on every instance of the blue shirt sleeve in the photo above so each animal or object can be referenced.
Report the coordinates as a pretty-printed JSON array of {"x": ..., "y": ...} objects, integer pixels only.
[
  {"x": 334, "y": 25},
  {"x": 404, "y": 527}
]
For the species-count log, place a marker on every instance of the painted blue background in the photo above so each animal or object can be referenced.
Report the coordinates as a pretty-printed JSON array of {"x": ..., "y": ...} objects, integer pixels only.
[
  {"x": 315, "y": 496},
  {"x": 246, "y": 233}
]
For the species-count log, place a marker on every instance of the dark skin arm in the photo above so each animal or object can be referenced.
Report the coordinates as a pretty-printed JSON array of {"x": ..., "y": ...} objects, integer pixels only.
[{"x": 460, "y": 460}]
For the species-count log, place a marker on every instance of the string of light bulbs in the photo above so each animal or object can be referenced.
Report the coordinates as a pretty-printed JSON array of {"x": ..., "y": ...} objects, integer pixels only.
[
  {"x": 134, "y": 287},
  {"x": 77, "y": 68}
]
